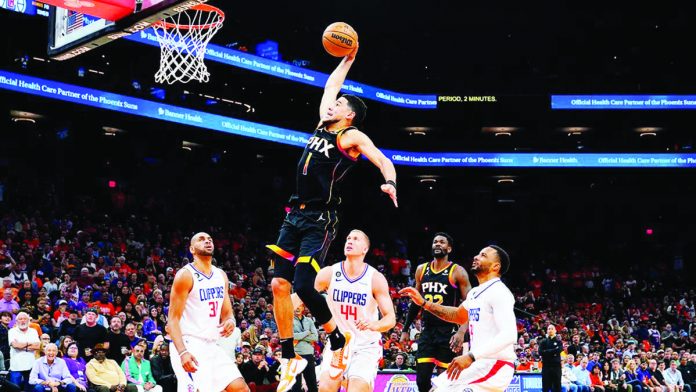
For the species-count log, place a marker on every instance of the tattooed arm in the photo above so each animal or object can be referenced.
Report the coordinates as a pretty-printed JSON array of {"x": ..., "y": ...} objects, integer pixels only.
[{"x": 452, "y": 314}]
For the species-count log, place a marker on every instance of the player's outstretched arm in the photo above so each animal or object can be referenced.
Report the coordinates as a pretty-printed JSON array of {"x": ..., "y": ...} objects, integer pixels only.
[
  {"x": 452, "y": 314},
  {"x": 380, "y": 290},
  {"x": 183, "y": 282},
  {"x": 361, "y": 142},
  {"x": 335, "y": 82}
]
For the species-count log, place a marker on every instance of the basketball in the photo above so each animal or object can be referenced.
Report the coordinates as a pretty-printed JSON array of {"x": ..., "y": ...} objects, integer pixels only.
[{"x": 339, "y": 39}]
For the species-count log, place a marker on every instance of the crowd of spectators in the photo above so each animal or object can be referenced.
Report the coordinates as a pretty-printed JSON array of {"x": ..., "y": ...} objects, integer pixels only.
[{"x": 89, "y": 291}]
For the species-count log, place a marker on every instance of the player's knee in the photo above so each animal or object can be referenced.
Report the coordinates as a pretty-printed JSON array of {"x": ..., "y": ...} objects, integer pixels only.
[{"x": 280, "y": 286}]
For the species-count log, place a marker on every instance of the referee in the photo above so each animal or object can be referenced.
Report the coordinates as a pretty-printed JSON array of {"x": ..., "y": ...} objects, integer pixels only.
[{"x": 550, "y": 349}]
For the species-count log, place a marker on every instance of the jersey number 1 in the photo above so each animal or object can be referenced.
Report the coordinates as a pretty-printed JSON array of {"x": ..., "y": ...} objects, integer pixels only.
[
  {"x": 213, "y": 308},
  {"x": 348, "y": 311}
]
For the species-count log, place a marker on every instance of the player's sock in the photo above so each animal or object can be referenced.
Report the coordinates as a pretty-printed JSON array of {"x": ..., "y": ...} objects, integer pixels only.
[
  {"x": 336, "y": 339},
  {"x": 288, "y": 348},
  {"x": 424, "y": 372}
]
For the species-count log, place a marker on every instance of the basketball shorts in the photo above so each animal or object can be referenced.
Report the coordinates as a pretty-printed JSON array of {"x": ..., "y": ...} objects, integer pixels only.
[
  {"x": 484, "y": 375},
  {"x": 364, "y": 362},
  {"x": 216, "y": 370},
  {"x": 305, "y": 237},
  {"x": 434, "y": 347}
]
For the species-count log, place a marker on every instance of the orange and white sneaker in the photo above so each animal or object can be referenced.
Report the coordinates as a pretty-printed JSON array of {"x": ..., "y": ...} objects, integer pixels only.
[
  {"x": 289, "y": 369},
  {"x": 340, "y": 359}
]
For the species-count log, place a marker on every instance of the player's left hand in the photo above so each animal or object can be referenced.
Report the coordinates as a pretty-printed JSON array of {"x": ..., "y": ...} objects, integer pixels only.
[
  {"x": 366, "y": 325},
  {"x": 456, "y": 342},
  {"x": 227, "y": 327},
  {"x": 390, "y": 190},
  {"x": 412, "y": 293},
  {"x": 457, "y": 365}
]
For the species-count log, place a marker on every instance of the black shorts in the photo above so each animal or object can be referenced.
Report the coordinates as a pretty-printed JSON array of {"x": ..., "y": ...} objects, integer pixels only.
[
  {"x": 305, "y": 237},
  {"x": 434, "y": 346}
]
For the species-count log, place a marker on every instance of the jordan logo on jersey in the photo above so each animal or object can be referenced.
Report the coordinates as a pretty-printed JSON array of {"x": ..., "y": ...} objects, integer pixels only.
[
  {"x": 474, "y": 314},
  {"x": 320, "y": 145},
  {"x": 434, "y": 287}
]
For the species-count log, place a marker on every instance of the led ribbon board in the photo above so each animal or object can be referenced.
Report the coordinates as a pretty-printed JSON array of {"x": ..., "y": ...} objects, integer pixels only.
[
  {"x": 248, "y": 61},
  {"x": 624, "y": 102},
  {"x": 140, "y": 107}
]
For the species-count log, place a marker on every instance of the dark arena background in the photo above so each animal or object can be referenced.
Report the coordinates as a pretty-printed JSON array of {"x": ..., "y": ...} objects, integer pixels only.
[{"x": 562, "y": 132}]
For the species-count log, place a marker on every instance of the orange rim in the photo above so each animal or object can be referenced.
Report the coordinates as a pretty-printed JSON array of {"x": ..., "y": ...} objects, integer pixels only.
[{"x": 197, "y": 7}]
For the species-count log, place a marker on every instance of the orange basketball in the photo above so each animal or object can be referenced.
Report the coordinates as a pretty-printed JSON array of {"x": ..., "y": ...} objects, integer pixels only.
[{"x": 339, "y": 39}]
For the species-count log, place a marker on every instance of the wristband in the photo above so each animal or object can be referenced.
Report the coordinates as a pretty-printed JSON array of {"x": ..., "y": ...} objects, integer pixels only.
[
  {"x": 392, "y": 183},
  {"x": 183, "y": 352},
  {"x": 471, "y": 356}
]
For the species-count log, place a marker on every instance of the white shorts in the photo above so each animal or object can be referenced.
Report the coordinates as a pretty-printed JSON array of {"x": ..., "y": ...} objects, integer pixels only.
[
  {"x": 483, "y": 375},
  {"x": 216, "y": 370},
  {"x": 364, "y": 362}
]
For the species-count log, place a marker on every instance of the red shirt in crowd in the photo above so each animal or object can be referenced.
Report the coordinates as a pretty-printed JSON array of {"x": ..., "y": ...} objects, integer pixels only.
[
  {"x": 107, "y": 309},
  {"x": 396, "y": 264}
]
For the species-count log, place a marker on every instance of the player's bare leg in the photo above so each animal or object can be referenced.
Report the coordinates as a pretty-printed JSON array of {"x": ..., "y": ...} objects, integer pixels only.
[
  {"x": 283, "y": 312},
  {"x": 328, "y": 383},
  {"x": 282, "y": 307},
  {"x": 357, "y": 384}
]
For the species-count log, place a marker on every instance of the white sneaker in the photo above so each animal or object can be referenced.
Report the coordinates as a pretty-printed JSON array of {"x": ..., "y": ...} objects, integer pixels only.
[
  {"x": 340, "y": 359},
  {"x": 289, "y": 369}
]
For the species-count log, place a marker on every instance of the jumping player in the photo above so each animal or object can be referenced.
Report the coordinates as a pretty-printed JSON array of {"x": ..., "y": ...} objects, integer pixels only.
[
  {"x": 488, "y": 365},
  {"x": 442, "y": 282},
  {"x": 200, "y": 311},
  {"x": 310, "y": 226}
]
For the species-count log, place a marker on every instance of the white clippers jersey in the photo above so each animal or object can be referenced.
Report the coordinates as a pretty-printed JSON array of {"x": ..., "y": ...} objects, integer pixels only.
[
  {"x": 351, "y": 300},
  {"x": 491, "y": 309},
  {"x": 201, "y": 315}
]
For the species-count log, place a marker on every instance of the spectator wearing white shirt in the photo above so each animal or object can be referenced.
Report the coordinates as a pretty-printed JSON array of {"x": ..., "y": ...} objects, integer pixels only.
[
  {"x": 673, "y": 378},
  {"x": 583, "y": 376},
  {"x": 24, "y": 341}
]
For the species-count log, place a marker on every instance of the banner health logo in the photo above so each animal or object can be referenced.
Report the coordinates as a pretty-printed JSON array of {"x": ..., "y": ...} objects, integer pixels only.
[{"x": 401, "y": 383}]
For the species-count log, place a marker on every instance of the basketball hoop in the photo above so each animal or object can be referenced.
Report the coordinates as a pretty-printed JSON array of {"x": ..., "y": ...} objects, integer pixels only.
[{"x": 183, "y": 39}]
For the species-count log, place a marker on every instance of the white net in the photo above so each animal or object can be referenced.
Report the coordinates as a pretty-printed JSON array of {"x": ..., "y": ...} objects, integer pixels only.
[{"x": 183, "y": 39}]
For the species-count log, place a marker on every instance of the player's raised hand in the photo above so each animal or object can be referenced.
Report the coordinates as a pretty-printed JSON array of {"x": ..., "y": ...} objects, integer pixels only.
[
  {"x": 457, "y": 365},
  {"x": 412, "y": 293},
  {"x": 390, "y": 190},
  {"x": 226, "y": 327},
  {"x": 189, "y": 362}
]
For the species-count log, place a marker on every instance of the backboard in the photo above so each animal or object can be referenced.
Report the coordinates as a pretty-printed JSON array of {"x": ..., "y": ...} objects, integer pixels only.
[{"x": 72, "y": 33}]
